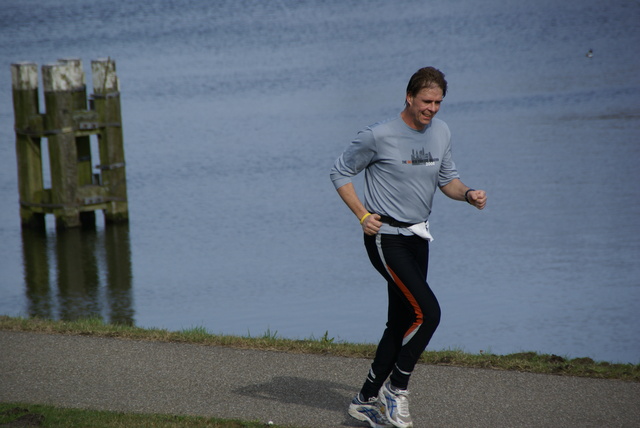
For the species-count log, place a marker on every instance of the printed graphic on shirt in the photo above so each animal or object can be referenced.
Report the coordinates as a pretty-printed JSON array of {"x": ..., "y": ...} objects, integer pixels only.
[{"x": 421, "y": 158}]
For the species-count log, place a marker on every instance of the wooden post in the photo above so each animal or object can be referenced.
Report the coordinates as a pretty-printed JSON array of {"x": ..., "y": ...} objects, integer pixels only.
[
  {"x": 60, "y": 82},
  {"x": 28, "y": 126},
  {"x": 83, "y": 142},
  {"x": 106, "y": 98}
]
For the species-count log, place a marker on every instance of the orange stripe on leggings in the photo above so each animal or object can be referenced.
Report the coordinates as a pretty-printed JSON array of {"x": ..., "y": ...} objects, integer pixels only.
[{"x": 416, "y": 308}]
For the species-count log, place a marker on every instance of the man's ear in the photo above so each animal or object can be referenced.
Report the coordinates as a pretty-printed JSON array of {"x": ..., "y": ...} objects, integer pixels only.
[{"x": 408, "y": 100}]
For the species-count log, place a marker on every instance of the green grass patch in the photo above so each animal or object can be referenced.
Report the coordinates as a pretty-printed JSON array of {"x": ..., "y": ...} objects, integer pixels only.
[
  {"x": 18, "y": 414},
  {"x": 524, "y": 361},
  {"x": 533, "y": 362}
]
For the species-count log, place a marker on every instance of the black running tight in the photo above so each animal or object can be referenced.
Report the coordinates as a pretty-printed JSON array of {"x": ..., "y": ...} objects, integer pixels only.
[{"x": 414, "y": 312}]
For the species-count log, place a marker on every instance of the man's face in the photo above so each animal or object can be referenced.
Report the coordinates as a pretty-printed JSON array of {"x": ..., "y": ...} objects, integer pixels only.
[{"x": 421, "y": 108}]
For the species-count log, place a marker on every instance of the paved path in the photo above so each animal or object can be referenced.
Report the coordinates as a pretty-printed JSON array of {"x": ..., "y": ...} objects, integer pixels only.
[{"x": 289, "y": 389}]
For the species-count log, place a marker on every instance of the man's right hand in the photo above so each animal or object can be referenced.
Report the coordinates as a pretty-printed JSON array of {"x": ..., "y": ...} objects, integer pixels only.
[{"x": 371, "y": 225}]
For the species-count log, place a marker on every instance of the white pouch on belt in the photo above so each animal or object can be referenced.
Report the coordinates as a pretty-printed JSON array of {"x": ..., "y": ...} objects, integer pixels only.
[{"x": 422, "y": 230}]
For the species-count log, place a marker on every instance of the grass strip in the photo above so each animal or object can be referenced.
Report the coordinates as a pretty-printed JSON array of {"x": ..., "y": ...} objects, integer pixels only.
[
  {"x": 20, "y": 414},
  {"x": 531, "y": 362}
]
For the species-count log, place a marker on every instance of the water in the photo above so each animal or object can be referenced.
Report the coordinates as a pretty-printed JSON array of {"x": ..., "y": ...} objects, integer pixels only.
[{"x": 234, "y": 113}]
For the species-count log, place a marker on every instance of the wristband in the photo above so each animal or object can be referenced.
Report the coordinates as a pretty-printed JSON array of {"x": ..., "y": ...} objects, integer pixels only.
[
  {"x": 466, "y": 193},
  {"x": 363, "y": 217}
]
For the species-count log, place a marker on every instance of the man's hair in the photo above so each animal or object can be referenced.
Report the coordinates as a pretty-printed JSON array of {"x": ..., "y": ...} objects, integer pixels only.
[{"x": 426, "y": 78}]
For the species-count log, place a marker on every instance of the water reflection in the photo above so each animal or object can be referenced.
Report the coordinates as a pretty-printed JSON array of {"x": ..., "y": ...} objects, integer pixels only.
[{"x": 79, "y": 273}]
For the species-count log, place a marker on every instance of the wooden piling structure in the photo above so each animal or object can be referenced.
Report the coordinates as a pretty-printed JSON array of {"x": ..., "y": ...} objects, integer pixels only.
[{"x": 76, "y": 192}]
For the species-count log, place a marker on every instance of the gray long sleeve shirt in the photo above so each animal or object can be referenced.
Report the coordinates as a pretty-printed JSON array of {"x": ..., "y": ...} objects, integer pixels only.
[{"x": 403, "y": 167}]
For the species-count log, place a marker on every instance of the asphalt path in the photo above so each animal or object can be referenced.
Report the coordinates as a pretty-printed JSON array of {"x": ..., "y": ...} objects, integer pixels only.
[{"x": 289, "y": 389}]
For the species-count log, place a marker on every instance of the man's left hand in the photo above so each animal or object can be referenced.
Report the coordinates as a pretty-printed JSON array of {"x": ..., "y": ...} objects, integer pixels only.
[{"x": 477, "y": 198}]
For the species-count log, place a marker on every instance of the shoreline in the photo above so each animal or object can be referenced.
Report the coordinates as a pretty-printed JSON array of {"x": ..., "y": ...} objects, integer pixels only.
[{"x": 529, "y": 362}]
